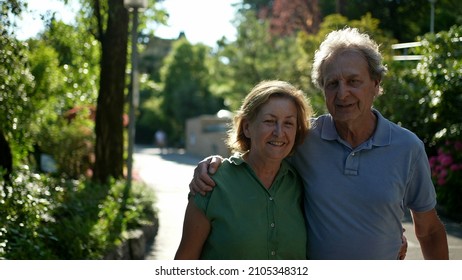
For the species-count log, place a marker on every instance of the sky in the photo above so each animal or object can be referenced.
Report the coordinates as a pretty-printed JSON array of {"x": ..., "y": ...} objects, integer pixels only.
[{"x": 202, "y": 21}]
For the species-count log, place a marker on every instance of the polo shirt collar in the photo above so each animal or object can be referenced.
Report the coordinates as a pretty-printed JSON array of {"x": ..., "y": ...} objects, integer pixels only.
[
  {"x": 237, "y": 159},
  {"x": 381, "y": 136}
]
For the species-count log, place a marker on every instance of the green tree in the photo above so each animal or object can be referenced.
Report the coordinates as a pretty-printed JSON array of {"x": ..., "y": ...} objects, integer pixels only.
[
  {"x": 150, "y": 117},
  {"x": 109, "y": 22},
  {"x": 78, "y": 55},
  {"x": 64, "y": 63},
  {"x": 16, "y": 100},
  {"x": 186, "y": 87},
  {"x": 255, "y": 55},
  {"x": 404, "y": 19},
  {"x": 425, "y": 96},
  {"x": 441, "y": 68},
  {"x": 111, "y": 30}
]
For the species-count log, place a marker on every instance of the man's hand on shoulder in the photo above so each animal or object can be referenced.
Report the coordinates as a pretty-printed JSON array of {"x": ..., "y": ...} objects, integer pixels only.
[{"x": 202, "y": 182}]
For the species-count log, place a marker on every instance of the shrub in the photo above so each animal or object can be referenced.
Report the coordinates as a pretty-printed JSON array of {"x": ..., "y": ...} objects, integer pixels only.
[
  {"x": 25, "y": 208},
  {"x": 69, "y": 140},
  {"x": 446, "y": 169},
  {"x": 42, "y": 217}
]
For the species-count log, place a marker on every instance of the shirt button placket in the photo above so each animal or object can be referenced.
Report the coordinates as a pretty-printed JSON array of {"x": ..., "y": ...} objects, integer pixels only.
[{"x": 272, "y": 225}]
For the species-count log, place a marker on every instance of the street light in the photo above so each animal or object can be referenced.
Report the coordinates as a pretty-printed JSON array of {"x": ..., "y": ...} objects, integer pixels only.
[
  {"x": 432, "y": 15},
  {"x": 133, "y": 6}
]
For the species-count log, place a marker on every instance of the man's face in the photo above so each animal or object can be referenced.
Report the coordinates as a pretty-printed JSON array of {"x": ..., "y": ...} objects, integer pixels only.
[{"x": 349, "y": 90}]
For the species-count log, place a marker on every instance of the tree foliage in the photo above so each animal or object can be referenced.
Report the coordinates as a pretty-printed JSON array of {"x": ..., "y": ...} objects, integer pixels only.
[
  {"x": 64, "y": 62},
  {"x": 441, "y": 69},
  {"x": 425, "y": 96},
  {"x": 186, "y": 87},
  {"x": 255, "y": 55},
  {"x": 404, "y": 19},
  {"x": 16, "y": 98},
  {"x": 109, "y": 24}
]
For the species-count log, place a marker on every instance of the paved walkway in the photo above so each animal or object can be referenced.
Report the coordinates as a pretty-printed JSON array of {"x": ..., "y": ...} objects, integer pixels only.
[
  {"x": 454, "y": 233},
  {"x": 169, "y": 173}
]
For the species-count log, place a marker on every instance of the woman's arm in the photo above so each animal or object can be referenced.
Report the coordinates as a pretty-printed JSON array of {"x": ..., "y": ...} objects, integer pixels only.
[{"x": 196, "y": 228}]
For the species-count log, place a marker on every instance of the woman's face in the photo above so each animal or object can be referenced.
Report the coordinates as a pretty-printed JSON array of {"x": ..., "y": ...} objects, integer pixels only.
[{"x": 272, "y": 132}]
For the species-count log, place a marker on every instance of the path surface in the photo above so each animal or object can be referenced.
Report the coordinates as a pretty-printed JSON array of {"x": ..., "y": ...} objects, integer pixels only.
[{"x": 169, "y": 173}]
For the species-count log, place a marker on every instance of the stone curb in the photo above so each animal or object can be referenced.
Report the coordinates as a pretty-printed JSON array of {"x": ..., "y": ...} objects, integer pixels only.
[{"x": 134, "y": 247}]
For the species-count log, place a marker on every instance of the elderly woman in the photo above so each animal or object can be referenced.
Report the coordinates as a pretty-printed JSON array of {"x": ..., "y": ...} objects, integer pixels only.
[{"x": 255, "y": 211}]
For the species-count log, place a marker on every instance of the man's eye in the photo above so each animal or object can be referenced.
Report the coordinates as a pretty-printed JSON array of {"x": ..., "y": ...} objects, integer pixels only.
[
  {"x": 355, "y": 82},
  {"x": 331, "y": 84}
]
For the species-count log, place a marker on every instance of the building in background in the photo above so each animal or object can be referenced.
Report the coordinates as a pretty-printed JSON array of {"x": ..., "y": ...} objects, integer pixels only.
[{"x": 206, "y": 134}]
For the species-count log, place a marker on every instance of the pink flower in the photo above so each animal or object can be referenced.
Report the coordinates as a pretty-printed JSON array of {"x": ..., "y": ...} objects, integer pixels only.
[
  {"x": 441, "y": 181},
  {"x": 443, "y": 173},
  {"x": 458, "y": 145},
  {"x": 445, "y": 160},
  {"x": 432, "y": 160},
  {"x": 454, "y": 167}
]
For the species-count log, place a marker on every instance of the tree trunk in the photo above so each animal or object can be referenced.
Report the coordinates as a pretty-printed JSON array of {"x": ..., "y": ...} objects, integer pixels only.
[
  {"x": 6, "y": 158},
  {"x": 340, "y": 6},
  {"x": 109, "y": 146}
]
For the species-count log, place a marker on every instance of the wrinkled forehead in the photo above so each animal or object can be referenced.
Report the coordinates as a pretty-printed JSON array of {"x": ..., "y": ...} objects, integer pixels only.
[
  {"x": 344, "y": 61},
  {"x": 344, "y": 53}
]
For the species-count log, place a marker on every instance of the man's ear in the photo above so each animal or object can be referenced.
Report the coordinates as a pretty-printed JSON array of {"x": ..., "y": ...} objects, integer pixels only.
[{"x": 377, "y": 88}]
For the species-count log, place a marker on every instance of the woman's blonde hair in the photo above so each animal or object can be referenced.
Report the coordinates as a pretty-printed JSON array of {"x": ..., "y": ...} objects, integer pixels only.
[{"x": 258, "y": 97}]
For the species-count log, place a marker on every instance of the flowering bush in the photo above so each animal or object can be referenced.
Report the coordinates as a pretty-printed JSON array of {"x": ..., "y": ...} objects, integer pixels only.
[{"x": 446, "y": 169}]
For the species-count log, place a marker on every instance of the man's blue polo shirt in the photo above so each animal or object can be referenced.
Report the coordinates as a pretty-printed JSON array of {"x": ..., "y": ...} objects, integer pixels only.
[{"x": 355, "y": 198}]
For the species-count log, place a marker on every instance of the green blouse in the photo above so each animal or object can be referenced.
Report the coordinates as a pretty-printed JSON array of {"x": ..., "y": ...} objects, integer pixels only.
[{"x": 252, "y": 222}]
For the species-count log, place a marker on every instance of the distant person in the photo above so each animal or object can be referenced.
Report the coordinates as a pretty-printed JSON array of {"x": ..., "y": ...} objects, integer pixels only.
[
  {"x": 360, "y": 171},
  {"x": 161, "y": 139},
  {"x": 255, "y": 211}
]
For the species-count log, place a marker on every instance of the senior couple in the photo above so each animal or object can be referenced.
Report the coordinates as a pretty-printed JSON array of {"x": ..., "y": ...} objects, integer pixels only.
[{"x": 332, "y": 187}]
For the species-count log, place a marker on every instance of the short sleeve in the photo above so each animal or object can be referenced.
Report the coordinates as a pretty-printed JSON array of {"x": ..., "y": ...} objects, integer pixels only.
[
  {"x": 202, "y": 201},
  {"x": 420, "y": 195}
]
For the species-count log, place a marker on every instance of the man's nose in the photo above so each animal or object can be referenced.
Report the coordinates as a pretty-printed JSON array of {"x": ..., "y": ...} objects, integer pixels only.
[{"x": 342, "y": 91}]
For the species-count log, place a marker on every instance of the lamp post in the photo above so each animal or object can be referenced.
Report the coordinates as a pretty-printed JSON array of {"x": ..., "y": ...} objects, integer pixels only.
[
  {"x": 432, "y": 15},
  {"x": 133, "y": 6}
]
